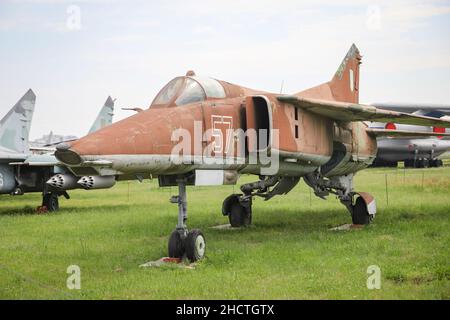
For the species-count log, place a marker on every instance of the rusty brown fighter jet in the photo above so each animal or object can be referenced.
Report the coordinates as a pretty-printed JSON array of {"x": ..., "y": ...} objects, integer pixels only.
[{"x": 202, "y": 131}]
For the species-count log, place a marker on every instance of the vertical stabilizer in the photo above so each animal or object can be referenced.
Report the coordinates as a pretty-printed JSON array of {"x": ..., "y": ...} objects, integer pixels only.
[
  {"x": 15, "y": 125},
  {"x": 345, "y": 83},
  {"x": 344, "y": 86},
  {"x": 105, "y": 116}
]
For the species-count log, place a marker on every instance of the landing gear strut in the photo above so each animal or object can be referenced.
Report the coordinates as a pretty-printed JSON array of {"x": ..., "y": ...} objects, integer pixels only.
[{"x": 183, "y": 242}]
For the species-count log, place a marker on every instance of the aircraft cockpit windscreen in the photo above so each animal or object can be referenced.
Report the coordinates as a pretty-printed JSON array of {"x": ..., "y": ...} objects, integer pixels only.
[
  {"x": 169, "y": 91},
  {"x": 192, "y": 92},
  {"x": 212, "y": 87},
  {"x": 185, "y": 90}
]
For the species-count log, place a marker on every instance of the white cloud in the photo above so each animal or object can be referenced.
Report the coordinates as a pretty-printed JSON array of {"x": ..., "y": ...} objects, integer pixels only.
[{"x": 204, "y": 29}]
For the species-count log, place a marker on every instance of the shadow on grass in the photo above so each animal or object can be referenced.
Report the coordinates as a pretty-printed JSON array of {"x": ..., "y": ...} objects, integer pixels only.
[
  {"x": 15, "y": 211},
  {"x": 271, "y": 220},
  {"x": 28, "y": 210}
]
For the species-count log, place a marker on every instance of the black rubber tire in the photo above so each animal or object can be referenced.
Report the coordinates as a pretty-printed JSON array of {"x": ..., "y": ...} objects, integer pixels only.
[
  {"x": 228, "y": 202},
  {"x": 360, "y": 214},
  {"x": 195, "y": 245},
  {"x": 51, "y": 202},
  {"x": 238, "y": 216},
  {"x": 176, "y": 245}
]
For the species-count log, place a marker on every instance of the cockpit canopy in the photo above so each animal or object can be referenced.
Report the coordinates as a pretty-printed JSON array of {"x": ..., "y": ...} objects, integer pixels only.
[{"x": 189, "y": 89}]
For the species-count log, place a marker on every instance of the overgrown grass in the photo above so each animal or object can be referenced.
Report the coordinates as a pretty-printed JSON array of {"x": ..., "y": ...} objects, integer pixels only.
[{"x": 288, "y": 253}]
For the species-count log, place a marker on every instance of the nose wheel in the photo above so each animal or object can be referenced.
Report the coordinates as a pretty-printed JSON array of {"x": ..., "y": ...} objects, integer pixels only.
[
  {"x": 176, "y": 245},
  {"x": 184, "y": 243},
  {"x": 195, "y": 245}
]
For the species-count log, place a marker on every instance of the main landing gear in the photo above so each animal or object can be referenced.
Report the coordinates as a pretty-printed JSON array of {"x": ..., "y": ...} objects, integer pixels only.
[
  {"x": 182, "y": 242},
  {"x": 50, "y": 201},
  {"x": 362, "y": 209},
  {"x": 238, "y": 207},
  {"x": 361, "y": 205},
  {"x": 360, "y": 213}
]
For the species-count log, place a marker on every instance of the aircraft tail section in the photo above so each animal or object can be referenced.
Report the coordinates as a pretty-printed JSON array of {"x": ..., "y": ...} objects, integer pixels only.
[
  {"x": 344, "y": 87},
  {"x": 105, "y": 116},
  {"x": 15, "y": 125},
  {"x": 345, "y": 83}
]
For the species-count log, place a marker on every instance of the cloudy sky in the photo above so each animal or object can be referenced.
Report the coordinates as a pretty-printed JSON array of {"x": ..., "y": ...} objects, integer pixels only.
[{"x": 74, "y": 54}]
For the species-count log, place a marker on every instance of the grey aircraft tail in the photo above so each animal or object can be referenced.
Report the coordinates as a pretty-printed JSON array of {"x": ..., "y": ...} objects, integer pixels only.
[
  {"x": 15, "y": 125},
  {"x": 105, "y": 116}
]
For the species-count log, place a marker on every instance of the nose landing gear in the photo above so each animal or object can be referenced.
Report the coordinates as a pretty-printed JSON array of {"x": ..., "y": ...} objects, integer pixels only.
[{"x": 182, "y": 242}]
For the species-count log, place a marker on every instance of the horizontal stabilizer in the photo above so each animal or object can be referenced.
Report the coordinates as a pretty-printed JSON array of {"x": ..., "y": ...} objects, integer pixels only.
[
  {"x": 346, "y": 111},
  {"x": 404, "y": 133}
]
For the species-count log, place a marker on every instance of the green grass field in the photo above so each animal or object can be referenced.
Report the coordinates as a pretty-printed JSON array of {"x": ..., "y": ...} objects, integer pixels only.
[{"x": 288, "y": 253}]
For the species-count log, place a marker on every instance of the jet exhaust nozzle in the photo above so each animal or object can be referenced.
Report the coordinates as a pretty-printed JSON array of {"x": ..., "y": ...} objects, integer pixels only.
[
  {"x": 63, "y": 181},
  {"x": 97, "y": 182}
]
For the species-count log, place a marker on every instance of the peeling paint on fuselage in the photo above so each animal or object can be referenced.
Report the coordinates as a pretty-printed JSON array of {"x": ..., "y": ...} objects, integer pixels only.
[{"x": 142, "y": 142}]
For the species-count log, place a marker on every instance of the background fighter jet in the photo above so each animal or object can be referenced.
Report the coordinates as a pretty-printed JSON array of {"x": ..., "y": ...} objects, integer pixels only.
[
  {"x": 202, "y": 131},
  {"x": 14, "y": 134},
  {"x": 104, "y": 117},
  {"x": 424, "y": 109},
  {"x": 416, "y": 152},
  {"x": 22, "y": 172}
]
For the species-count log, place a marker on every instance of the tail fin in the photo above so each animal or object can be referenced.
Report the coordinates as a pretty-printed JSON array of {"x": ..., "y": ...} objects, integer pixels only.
[
  {"x": 344, "y": 86},
  {"x": 15, "y": 125},
  {"x": 105, "y": 116},
  {"x": 50, "y": 137},
  {"x": 345, "y": 83}
]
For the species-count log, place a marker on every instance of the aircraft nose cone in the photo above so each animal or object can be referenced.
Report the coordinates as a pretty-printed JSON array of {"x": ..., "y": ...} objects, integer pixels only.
[{"x": 64, "y": 154}]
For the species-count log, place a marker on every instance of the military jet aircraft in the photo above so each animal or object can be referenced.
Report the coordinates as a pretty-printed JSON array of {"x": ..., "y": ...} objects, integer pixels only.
[
  {"x": 202, "y": 131},
  {"x": 423, "y": 109},
  {"x": 14, "y": 134},
  {"x": 22, "y": 172},
  {"x": 414, "y": 152}
]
